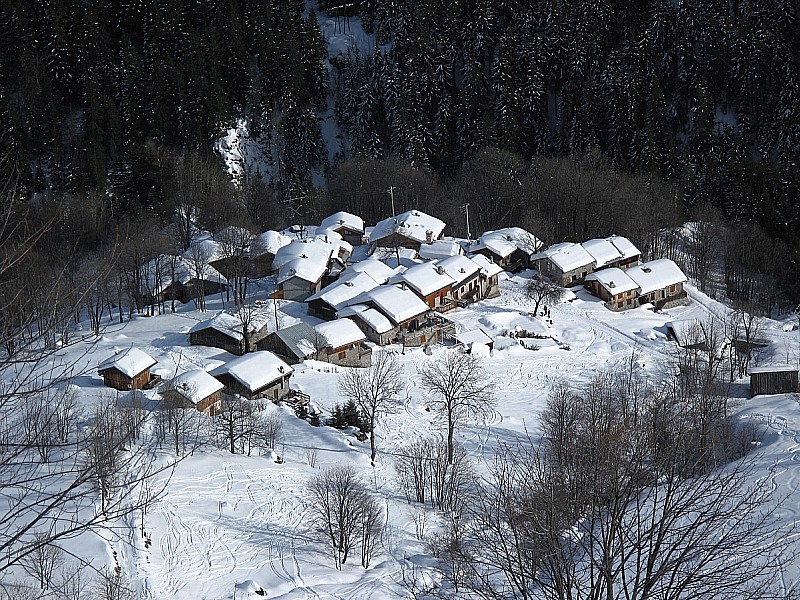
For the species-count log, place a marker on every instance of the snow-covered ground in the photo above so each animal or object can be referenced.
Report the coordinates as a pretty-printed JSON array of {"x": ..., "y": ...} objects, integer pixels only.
[{"x": 230, "y": 524}]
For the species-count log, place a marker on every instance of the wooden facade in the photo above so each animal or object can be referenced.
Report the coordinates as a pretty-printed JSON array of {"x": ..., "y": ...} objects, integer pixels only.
[
  {"x": 275, "y": 391},
  {"x": 298, "y": 289},
  {"x": 619, "y": 301},
  {"x": 118, "y": 380},
  {"x": 209, "y": 405},
  {"x": 773, "y": 380},
  {"x": 217, "y": 339}
]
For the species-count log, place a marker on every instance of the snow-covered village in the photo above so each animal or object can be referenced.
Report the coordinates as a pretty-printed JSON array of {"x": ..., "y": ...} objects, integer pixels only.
[{"x": 379, "y": 299}]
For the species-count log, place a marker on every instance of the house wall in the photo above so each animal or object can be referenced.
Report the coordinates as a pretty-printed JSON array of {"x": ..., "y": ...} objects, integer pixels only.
[
  {"x": 672, "y": 295},
  {"x": 298, "y": 289},
  {"x": 394, "y": 240},
  {"x": 119, "y": 381},
  {"x": 320, "y": 308},
  {"x": 210, "y": 405},
  {"x": 379, "y": 338},
  {"x": 216, "y": 339},
  {"x": 276, "y": 345},
  {"x": 277, "y": 390},
  {"x": 776, "y": 382},
  {"x": 624, "y": 263},
  {"x": 490, "y": 287},
  {"x": 616, "y": 302},
  {"x": 353, "y": 355},
  {"x": 470, "y": 287}
]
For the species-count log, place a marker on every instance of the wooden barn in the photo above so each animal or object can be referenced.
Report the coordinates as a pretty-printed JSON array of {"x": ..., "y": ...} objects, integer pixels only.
[
  {"x": 344, "y": 343},
  {"x": 776, "y": 379},
  {"x": 510, "y": 247},
  {"x": 224, "y": 331},
  {"x": 194, "y": 389},
  {"x": 349, "y": 226},
  {"x": 410, "y": 229},
  {"x": 127, "y": 370},
  {"x": 256, "y": 375}
]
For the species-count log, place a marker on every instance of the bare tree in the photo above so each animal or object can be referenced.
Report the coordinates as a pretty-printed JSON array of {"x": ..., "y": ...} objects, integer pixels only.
[
  {"x": 374, "y": 390},
  {"x": 198, "y": 256},
  {"x": 236, "y": 423},
  {"x": 43, "y": 560},
  {"x": 460, "y": 389},
  {"x": 344, "y": 512},
  {"x": 234, "y": 246},
  {"x": 543, "y": 292},
  {"x": 270, "y": 424}
]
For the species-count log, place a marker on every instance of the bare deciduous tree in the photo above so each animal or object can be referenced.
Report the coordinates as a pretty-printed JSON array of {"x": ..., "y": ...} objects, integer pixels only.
[
  {"x": 43, "y": 560},
  {"x": 460, "y": 390},
  {"x": 374, "y": 390},
  {"x": 543, "y": 292}
]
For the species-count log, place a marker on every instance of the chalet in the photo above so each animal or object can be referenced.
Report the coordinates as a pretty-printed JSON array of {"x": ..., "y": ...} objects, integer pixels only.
[
  {"x": 613, "y": 285},
  {"x": 378, "y": 270},
  {"x": 194, "y": 389},
  {"x": 510, "y": 247},
  {"x": 224, "y": 331},
  {"x": 489, "y": 275},
  {"x": 294, "y": 344},
  {"x": 347, "y": 225},
  {"x": 410, "y": 229},
  {"x": 439, "y": 249},
  {"x": 372, "y": 322},
  {"x": 776, "y": 379},
  {"x": 170, "y": 277},
  {"x": 565, "y": 264},
  {"x": 256, "y": 375},
  {"x": 325, "y": 303},
  {"x": 344, "y": 344},
  {"x": 406, "y": 312},
  {"x": 302, "y": 265},
  {"x": 465, "y": 274},
  {"x": 660, "y": 283},
  {"x": 431, "y": 283},
  {"x": 690, "y": 334},
  {"x": 262, "y": 252},
  {"x": 127, "y": 369},
  {"x": 614, "y": 251}
]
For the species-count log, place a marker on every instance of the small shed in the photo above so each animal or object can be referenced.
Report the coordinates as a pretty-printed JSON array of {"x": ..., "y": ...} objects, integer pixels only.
[
  {"x": 196, "y": 389},
  {"x": 775, "y": 379},
  {"x": 344, "y": 343},
  {"x": 474, "y": 336},
  {"x": 127, "y": 369},
  {"x": 256, "y": 375},
  {"x": 294, "y": 343}
]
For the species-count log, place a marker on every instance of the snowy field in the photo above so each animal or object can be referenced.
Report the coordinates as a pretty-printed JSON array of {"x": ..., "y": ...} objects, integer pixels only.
[{"x": 230, "y": 524}]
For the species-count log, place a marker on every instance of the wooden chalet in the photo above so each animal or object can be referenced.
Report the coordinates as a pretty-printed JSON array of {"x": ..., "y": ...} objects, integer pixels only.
[
  {"x": 349, "y": 226},
  {"x": 465, "y": 274},
  {"x": 660, "y": 283},
  {"x": 127, "y": 369},
  {"x": 256, "y": 375},
  {"x": 407, "y": 230},
  {"x": 293, "y": 344},
  {"x": 614, "y": 287},
  {"x": 565, "y": 264},
  {"x": 325, "y": 303},
  {"x": 224, "y": 331},
  {"x": 344, "y": 344},
  {"x": 776, "y": 379},
  {"x": 263, "y": 250},
  {"x": 372, "y": 322},
  {"x": 510, "y": 248},
  {"x": 431, "y": 283},
  {"x": 488, "y": 276},
  {"x": 194, "y": 389},
  {"x": 614, "y": 251}
]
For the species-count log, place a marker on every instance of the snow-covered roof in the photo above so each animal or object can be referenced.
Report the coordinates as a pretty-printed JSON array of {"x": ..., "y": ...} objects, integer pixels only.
[
  {"x": 427, "y": 278},
  {"x": 313, "y": 249},
  {"x": 130, "y": 362},
  {"x": 269, "y": 242},
  {"x": 566, "y": 256},
  {"x": 625, "y": 246},
  {"x": 656, "y": 275},
  {"x": 158, "y": 273},
  {"x": 375, "y": 268},
  {"x": 503, "y": 242},
  {"x": 299, "y": 338},
  {"x": 341, "y": 332},
  {"x": 348, "y": 286},
  {"x": 304, "y": 268},
  {"x": 474, "y": 335},
  {"x": 255, "y": 370},
  {"x": 487, "y": 266},
  {"x": 195, "y": 385},
  {"x": 412, "y": 224},
  {"x": 231, "y": 325},
  {"x": 774, "y": 369},
  {"x": 397, "y": 303},
  {"x": 440, "y": 249},
  {"x": 459, "y": 268},
  {"x": 614, "y": 280},
  {"x": 343, "y": 219},
  {"x": 207, "y": 249},
  {"x": 687, "y": 331},
  {"x": 370, "y": 316}
]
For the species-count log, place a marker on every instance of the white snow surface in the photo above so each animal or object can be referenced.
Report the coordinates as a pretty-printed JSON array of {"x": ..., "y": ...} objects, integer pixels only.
[
  {"x": 378, "y": 270},
  {"x": 230, "y": 525},
  {"x": 343, "y": 219},
  {"x": 487, "y": 266},
  {"x": 349, "y": 285},
  {"x": 459, "y": 268},
  {"x": 341, "y": 332},
  {"x": 427, "y": 278},
  {"x": 270, "y": 242},
  {"x": 503, "y": 242},
  {"x": 195, "y": 385},
  {"x": 566, "y": 256},
  {"x": 614, "y": 280},
  {"x": 370, "y": 316},
  {"x": 255, "y": 370},
  {"x": 412, "y": 224},
  {"x": 130, "y": 361},
  {"x": 440, "y": 249},
  {"x": 393, "y": 301},
  {"x": 656, "y": 275}
]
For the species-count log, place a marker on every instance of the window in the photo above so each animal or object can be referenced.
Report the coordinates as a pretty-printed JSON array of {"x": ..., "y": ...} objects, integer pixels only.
[{"x": 342, "y": 355}]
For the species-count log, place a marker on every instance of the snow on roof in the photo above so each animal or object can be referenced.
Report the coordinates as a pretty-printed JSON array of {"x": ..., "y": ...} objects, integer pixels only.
[
  {"x": 269, "y": 242},
  {"x": 370, "y": 316},
  {"x": 474, "y": 335},
  {"x": 440, "y": 249},
  {"x": 348, "y": 286},
  {"x": 299, "y": 338},
  {"x": 314, "y": 249},
  {"x": 375, "y": 268},
  {"x": 603, "y": 251},
  {"x": 427, "y": 278},
  {"x": 130, "y": 362},
  {"x": 503, "y": 242},
  {"x": 487, "y": 266},
  {"x": 687, "y": 331},
  {"x": 774, "y": 369},
  {"x": 625, "y": 246},
  {"x": 343, "y": 219},
  {"x": 208, "y": 249},
  {"x": 412, "y": 224},
  {"x": 303, "y": 267},
  {"x": 656, "y": 275},
  {"x": 195, "y": 385},
  {"x": 341, "y": 332},
  {"x": 614, "y": 280},
  {"x": 158, "y": 273},
  {"x": 231, "y": 325},
  {"x": 395, "y": 302},
  {"x": 566, "y": 256},
  {"x": 255, "y": 370},
  {"x": 460, "y": 268},
  {"x": 329, "y": 236}
]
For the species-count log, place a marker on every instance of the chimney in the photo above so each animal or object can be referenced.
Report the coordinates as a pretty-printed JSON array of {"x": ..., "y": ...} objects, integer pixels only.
[
  {"x": 429, "y": 237},
  {"x": 440, "y": 270}
]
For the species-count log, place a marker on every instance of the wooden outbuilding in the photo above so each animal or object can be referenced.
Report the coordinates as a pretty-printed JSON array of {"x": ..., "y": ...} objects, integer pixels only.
[
  {"x": 775, "y": 379},
  {"x": 256, "y": 375},
  {"x": 127, "y": 369},
  {"x": 194, "y": 389}
]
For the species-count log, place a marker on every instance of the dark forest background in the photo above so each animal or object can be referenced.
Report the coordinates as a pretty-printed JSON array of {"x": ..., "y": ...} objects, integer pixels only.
[{"x": 572, "y": 118}]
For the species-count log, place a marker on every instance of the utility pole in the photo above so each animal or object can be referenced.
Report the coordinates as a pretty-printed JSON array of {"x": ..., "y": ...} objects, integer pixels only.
[
  {"x": 466, "y": 210},
  {"x": 391, "y": 194}
]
